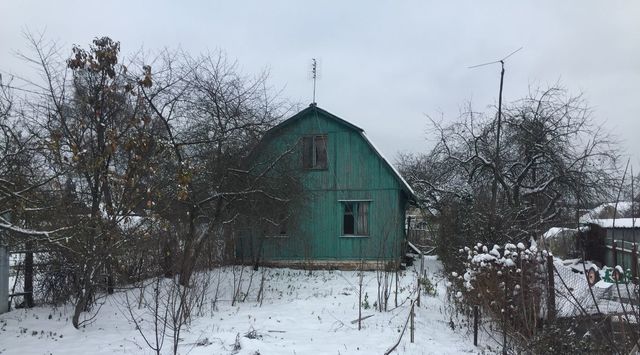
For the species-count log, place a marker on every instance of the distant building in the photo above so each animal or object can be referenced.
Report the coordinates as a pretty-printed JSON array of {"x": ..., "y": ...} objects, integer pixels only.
[
  {"x": 561, "y": 241},
  {"x": 611, "y": 241}
]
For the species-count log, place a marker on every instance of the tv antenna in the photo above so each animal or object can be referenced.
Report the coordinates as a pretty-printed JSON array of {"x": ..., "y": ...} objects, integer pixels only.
[
  {"x": 501, "y": 61},
  {"x": 315, "y": 75},
  {"x": 494, "y": 186}
]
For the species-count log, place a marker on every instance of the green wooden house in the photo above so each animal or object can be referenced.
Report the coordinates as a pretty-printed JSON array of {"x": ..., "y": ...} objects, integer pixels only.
[{"x": 353, "y": 205}]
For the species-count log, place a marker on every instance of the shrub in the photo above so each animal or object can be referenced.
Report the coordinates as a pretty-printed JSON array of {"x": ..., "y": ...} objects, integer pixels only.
[{"x": 427, "y": 286}]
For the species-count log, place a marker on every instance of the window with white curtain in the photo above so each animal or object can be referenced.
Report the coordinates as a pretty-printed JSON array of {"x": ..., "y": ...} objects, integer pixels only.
[{"x": 355, "y": 220}]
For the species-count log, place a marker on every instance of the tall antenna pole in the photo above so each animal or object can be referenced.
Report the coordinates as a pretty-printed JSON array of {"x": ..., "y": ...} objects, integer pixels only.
[
  {"x": 633, "y": 206},
  {"x": 494, "y": 186},
  {"x": 314, "y": 76}
]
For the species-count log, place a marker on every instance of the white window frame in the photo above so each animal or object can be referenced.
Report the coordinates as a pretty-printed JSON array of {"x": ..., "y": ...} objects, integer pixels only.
[{"x": 366, "y": 202}]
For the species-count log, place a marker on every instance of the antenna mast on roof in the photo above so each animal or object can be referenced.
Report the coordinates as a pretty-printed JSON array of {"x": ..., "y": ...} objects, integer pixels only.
[{"x": 314, "y": 76}]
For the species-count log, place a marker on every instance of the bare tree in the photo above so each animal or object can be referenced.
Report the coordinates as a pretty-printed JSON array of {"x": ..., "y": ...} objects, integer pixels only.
[
  {"x": 99, "y": 156},
  {"x": 550, "y": 152},
  {"x": 164, "y": 307},
  {"x": 213, "y": 118},
  {"x": 22, "y": 181}
]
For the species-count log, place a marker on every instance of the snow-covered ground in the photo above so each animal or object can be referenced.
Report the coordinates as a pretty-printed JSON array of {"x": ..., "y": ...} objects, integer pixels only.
[
  {"x": 301, "y": 313},
  {"x": 574, "y": 296}
]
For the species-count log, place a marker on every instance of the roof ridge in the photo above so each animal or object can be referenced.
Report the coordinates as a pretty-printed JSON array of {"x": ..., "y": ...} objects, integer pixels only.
[{"x": 313, "y": 107}]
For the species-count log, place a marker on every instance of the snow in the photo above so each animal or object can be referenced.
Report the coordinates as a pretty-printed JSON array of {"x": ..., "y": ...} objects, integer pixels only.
[
  {"x": 508, "y": 262},
  {"x": 577, "y": 265},
  {"x": 302, "y": 313},
  {"x": 413, "y": 247},
  {"x": 621, "y": 208},
  {"x": 132, "y": 222},
  {"x": 578, "y": 296},
  {"x": 481, "y": 258},
  {"x": 617, "y": 223},
  {"x": 574, "y": 297},
  {"x": 554, "y": 232}
]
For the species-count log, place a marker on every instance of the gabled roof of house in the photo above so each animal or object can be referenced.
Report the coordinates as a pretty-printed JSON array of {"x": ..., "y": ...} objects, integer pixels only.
[{"x": 313, "y": 108}]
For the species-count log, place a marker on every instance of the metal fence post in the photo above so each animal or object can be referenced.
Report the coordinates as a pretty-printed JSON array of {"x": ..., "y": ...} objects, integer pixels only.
[
  {"x": 4, "y": 280},
  {"x": 412, "y": 315},
  {"x": 551, "y": 293},
  {"x": 475, "y": 325}
]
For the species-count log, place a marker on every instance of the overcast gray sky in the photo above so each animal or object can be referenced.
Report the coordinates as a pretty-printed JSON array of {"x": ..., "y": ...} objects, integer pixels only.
[{"x": 385, "y": 65}]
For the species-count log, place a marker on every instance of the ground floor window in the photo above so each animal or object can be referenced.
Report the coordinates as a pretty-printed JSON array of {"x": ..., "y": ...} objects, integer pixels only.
[{"x": 355, "y": 220}]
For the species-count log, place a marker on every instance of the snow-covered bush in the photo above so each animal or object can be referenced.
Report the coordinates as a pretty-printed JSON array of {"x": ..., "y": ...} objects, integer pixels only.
[{"x": 507, "y": 283}]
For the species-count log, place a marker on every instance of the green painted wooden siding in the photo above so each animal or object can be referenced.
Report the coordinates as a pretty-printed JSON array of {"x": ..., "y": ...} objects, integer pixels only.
[
  {"x": 355, "y": 172},
  {"x": 625, "y": 239}
]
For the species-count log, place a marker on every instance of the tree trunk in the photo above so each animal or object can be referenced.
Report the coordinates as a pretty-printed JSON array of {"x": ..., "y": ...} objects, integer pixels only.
[
  {"x": 167, "y": 251},
  {"x": 109, "y": 267},
  {"x": 81, "y": 305},
  {"x": 110, "y": 278},
  {"x": 189, "y": 258},
  {"x": 84, "y": 299}
]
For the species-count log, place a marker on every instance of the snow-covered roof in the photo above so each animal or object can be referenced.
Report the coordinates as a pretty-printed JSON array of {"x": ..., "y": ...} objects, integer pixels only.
[
  {"x": 617, "y": 223},
  {"x": 605, "y": 210},
  {"x": 603, "y": 215}
]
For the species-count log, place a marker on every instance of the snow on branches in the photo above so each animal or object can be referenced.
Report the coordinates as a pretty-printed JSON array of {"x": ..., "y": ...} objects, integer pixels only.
[{"x": 505, "y": 281}]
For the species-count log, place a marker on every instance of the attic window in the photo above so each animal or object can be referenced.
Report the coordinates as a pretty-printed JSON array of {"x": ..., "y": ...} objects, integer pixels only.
[
  {"x": 314, "y": 152},
  {"x": 355, "y": 219}
]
